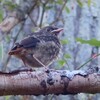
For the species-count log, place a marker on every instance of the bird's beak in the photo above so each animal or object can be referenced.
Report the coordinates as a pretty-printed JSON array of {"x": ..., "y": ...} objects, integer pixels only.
[{"x": 57, "y": 30}]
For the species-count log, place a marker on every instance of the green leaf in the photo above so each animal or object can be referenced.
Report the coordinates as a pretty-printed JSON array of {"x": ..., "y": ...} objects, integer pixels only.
[
  {"x": 35, "y": 29},
  {"x": 61, "y": 62},
  {"x": 67, "y": 9},
  {"x": 92, "y": 42},
  {"x": 10, "y": 5},
  {"x": 67, "y": 56},
  {"x": 59, "y": 2},
  {"x": 80, "y": 3},
  {"x": 1, "y": 1},
  {"x": 7, "y": 97},
  {"x": 89, "y": 3},
  {"x": 1, "y": 15},
  {"x": 64, "y": 41}
]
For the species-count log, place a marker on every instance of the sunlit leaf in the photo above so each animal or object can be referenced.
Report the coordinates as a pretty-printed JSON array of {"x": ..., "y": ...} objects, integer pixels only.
[
  {"x": 80, "y": 3},
  {"x": 67, "y": 56},
  {"x": 7, "y": 97},
  {"x": 92, "y": 42},
  {"x": 1, "y": 15},
  {"x": 35, "y": 29},
  {"x": 10, "y": 5},
  {"x": 67, "y": 9},
  {"x": 59, "y": 2},
  {"x": 64, "y": 41},
  {"x": 89, "y": 3},
  {"x": 61, "y": 62}
]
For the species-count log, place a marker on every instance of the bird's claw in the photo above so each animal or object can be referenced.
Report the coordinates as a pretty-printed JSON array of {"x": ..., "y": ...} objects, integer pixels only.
[{"x": 21, "y": 69}]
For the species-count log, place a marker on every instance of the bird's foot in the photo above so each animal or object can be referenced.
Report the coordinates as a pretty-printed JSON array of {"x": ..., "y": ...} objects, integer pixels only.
[
  {"x": 21, "y": 69},
  {"x": 25, "y": 69}
]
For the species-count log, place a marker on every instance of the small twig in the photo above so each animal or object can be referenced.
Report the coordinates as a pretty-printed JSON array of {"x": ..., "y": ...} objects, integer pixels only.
[
  {"x": 88, "y": 61},
  {"x": 43, "y": 10},
  {"x": 32, "y": 21},
  {"x": 60, "y": 12},
  {"x": 31, "y": 17}
]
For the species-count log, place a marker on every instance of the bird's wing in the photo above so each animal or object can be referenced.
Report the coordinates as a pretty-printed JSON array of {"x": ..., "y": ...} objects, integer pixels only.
[{"x": 29, "y": 42}]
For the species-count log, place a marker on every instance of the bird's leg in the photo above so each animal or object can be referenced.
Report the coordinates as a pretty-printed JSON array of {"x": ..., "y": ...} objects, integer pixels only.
[
  {"x": 45, "y": 68},
  {"x": 24, "y": 62},
  {"x": 25, "y": 68},
  {"x": 39, "y": 61}
]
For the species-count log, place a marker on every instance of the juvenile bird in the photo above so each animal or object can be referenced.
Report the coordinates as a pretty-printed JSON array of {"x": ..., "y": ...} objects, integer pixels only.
[{"x": 40, "y": 49}]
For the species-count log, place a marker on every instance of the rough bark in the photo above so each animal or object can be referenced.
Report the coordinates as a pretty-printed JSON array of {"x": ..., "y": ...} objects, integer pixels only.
[{"x": 45, "y": 82}]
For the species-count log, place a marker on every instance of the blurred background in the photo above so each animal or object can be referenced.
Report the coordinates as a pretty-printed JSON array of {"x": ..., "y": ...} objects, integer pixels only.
[{"x": 81, "y": 22}]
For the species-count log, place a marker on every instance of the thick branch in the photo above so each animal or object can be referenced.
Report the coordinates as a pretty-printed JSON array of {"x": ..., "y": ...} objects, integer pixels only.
[{"x": 48, "y": 82}]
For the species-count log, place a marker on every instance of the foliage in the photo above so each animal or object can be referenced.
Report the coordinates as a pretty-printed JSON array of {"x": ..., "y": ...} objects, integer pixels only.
[
  {"x": 10, "y": 5},
  {"x": 80, "y": 3},
  {"x": 67, "y": 9},
  {"x": 1, "y": 15},
  {"x": 89, "y": 3},
  {"x": 93, "y": 42},
  {"x": 64, "y": 41}
]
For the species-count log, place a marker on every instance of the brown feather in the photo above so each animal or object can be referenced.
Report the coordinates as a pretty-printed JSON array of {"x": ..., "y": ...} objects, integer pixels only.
[{"x": 15, "y": 52}]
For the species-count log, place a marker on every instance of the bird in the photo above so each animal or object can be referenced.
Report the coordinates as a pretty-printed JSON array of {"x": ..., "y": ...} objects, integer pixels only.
[{"x": 39, "y": 49}]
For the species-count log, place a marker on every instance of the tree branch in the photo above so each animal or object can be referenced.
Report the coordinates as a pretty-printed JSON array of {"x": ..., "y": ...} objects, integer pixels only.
[{"x": 45, "y": 82}]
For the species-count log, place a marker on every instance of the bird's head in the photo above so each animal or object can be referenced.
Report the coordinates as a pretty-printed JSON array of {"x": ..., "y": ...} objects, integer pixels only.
[{"x": 51, "y": 30}]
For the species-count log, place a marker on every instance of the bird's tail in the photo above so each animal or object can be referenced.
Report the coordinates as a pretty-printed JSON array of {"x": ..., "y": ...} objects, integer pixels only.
[
  {"x": 11, "y": 52},
  {"x": 15, "y": 50}
]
